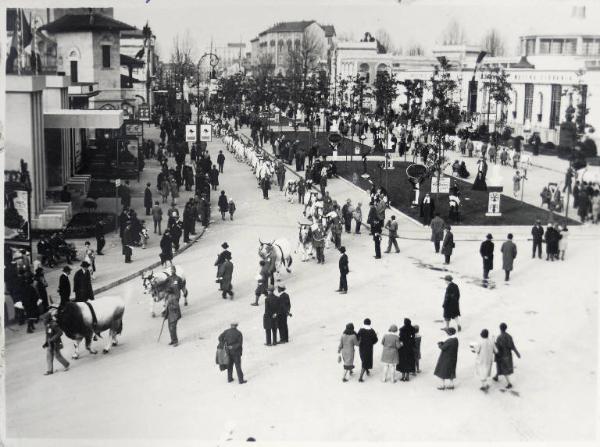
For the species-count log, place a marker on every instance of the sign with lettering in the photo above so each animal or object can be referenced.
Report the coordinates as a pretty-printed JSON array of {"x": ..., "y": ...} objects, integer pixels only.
[
  {"x": 494, "y": 204},
  {"x": 205, "y": 132},
  {"x": 190, "y": 132},
  {"x": 444, "y": 185}
]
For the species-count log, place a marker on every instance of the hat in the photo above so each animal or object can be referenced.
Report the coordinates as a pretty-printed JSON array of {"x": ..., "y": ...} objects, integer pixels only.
[
  {"x": 448, "y": 278},
  {"x": 367, "y": 322},
  {"x": 281, "y": 286},
  {"x": 66, "y": 268},
  {"x": 489, "y": 236},
  {"x": 271, "y": 288},
  {"x": 343, "y": 249},
  {"x": 225, "y": 245},
  {"x": 451, "y": 331},
  {"x": 234, "y": 323},
  {"x": 85, "y": 264},
  {"x": 393, "y": 328}
]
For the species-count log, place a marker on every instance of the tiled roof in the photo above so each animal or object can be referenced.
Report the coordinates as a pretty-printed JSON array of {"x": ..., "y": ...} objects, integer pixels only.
[
  {"x": 288, "y": 27},
  {"x": 86, "y": 22}
]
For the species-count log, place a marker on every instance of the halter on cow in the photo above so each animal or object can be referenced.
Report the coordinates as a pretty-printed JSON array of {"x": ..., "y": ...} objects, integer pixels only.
[
  {"x": 278, "y": 252},
  {"x": 305, "y": 242},
  {"x": 154, "y": 283}
]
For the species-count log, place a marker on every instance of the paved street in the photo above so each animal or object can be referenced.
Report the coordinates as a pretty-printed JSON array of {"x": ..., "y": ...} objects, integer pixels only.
[{"x": 145, "y": 389}]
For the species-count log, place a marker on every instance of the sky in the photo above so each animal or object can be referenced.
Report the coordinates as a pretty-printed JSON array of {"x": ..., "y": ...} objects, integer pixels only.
[{"x": 406, "y": 21}]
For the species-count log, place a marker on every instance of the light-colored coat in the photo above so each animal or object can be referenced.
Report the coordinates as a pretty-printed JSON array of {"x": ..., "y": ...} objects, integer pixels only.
[
  {"x": 346, "y": 348},
  {"x": 485, "y": 351},
  {"x": 509, "y": 253},
  {"x": 391, "y": 343},
  {"x": 437, "y": 229}
]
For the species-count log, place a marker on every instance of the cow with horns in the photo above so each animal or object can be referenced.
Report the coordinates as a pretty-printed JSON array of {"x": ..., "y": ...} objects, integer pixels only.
[
  {"x": 157, "y": 284},
  {"x": 87, "y": 320},
  {"x": 277, "y": 254}
]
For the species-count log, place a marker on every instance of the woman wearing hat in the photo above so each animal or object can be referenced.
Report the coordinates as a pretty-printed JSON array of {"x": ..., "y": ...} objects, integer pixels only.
[
  {"x": 445, "y": 368},
  {"x": 348, "y": 342},
  {"x": 389, "y": 356},
  {"x": 486, "y": 250},
  {"x": 40, "y": 285}
]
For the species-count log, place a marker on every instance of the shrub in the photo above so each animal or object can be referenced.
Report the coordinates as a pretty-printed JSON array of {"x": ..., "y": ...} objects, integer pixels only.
[{"x": 589, "y": 148}]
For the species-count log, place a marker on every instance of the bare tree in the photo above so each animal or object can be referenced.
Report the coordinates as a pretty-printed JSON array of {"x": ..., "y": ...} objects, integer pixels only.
[
  {"x": 183, "y": 49},
  {"x": 384, "y": 38},
  {"x": 453, "y": 34},
  {"x": 415, "y": 50},
  {"x": 303, "y": 60},
  {"x": 493, "y": 42}
]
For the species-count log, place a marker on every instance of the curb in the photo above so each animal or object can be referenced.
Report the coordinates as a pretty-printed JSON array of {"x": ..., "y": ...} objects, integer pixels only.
[{"x": 129, "y": 277}]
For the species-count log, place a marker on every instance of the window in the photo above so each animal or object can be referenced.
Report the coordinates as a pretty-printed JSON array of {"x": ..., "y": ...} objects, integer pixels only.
[
  {"x": 591, "y": 47},
  {"x": 545, "y": 46},
  {"x": 570, "y": 46},
  {"x": 74, "y": 76},
  {"x": 528, "y": 102},
  {"x": 556, "y": 46},
  {"x": 555, "y": 106},
  {"x": 541, "y": 106},
  {"x": 530, "y": 47},
  {"x": 105, "y": 56}
]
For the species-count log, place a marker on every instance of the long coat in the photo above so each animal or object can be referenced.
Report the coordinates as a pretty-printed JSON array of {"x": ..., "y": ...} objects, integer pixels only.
[
  {"x": 451, "y": 307},
  {"x": 437, "y": 229},
  {"x": 446, "y": 364},
  {"x": 487, "y": 249},
  {"x": 172, "y": 311},
  {"x": 366, "y": 339},
  {"x": 448, "y": 244},
  {"x": 271, "y": 311},
  {"x": 504, "y": 360},
  {"x": 147, "y": 198},
  {"x": 82, "y": 285},
  {"x": 485, "y": 351},
  {"x": 347, "y": 344},
  {"x": 225, "y": 272},
  {"x": 391, "y": 344},
  {"x": 509, "y": 253},
  {"x": 406, "y": 353},
  {"x": 234, "y": 341}
]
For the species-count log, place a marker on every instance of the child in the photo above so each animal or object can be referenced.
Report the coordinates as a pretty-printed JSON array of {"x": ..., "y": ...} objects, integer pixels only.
[
  {"x": 417, "y": 348},
  {"x": 144, "y": 235},
  {"x": 231, "y": 208},
  {"x": 89, "y": 257}
]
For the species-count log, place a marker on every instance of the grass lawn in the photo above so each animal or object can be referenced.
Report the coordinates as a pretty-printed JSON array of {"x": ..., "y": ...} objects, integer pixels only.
[{"x": 473, "y": 203}]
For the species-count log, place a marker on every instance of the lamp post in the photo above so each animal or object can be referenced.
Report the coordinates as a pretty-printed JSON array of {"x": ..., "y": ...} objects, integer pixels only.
[{"x": 212, "y": 65}]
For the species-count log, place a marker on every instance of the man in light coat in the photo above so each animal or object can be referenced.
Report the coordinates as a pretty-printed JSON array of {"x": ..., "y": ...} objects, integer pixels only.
[
  {"x": 437, "y": 231},
  {"x": 509, "y": 253}
]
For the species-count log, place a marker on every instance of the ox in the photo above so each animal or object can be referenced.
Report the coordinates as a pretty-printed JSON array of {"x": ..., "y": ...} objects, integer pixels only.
[
  {"x": 277, "y": 253},
  {"x": 153, "y": 283}
]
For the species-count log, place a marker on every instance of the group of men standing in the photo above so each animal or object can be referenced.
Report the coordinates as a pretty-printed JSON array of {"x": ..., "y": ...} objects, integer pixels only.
[{"x": 277, "y": 311}]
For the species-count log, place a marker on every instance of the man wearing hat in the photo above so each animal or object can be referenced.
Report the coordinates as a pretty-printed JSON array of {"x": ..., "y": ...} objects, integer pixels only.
[
  {"x": 64, "y": 286},
  {"x": 487, "y": 254},
  {"x": 537, "y": 233},
  {"x": 344, "y": 270},
  {"x": 232, "y": 340},
  {"x": 451, "y": 306},
  {"x": 284, "y": 311},
  {"x": 82, "y": 283},
  {"x": 53, "y": 344},
  {"x": 270, "y": 316},
  {"x": 225, "y": 254}
]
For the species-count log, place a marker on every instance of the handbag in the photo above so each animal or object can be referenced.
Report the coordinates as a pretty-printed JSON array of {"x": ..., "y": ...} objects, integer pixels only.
[{"x": 222, "y": 358}]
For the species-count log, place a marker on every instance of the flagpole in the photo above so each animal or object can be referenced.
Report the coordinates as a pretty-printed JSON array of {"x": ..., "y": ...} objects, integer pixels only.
[{"x": 19, "y": 32}]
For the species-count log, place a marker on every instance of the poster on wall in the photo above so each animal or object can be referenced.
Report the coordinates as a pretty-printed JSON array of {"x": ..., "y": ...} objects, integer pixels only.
[{"x": 16, "y": 216}]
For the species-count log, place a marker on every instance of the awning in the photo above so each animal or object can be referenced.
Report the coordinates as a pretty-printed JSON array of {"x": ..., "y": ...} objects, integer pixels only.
[{"x": 83, "y": 119}]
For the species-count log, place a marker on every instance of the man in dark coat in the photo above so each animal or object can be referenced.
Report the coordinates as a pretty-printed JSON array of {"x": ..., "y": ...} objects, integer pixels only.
[
  {"x": 64, "y": 286},
  {"x": 221, "y": 161},
  {"x": 447, "y": 244},
  {"x": 445, "y": 368},
  {"x": 367, "y": 338},
  {"x": 126, "y": 242},
  {"x": 270, "y": 317},
  {"x": 224, "y": 276},
  {"x": 148, "y": 199},
  {"x": 504, "y": 361},
  {"x": 344, "y": 270},
  {"x": 376, "y": 228},
  {"x": 487, "y": 254},
  {"x": 265, "y": 185},
  {"x": 537, "y": 233},
  {"x": 406, "y": 352},
  {"x": 284, "y": 312},
  {"x": 451, "y": 303},
  {"x": 347, "y": 215},
  {"x": 172, "y": 312},
  {"x": 176, "y": 234},
  {"x": 125, "y": 194},
  {"x": 552, "y": 238},
  {"x": 427, "y": 209},
  {"x": 82, "y": 283},
  {"x": 232, "y": 340},
  {"x": 224, "y": 255},
  {"x": 166, "y": 248},
  {"x": 214, "y": 177}
]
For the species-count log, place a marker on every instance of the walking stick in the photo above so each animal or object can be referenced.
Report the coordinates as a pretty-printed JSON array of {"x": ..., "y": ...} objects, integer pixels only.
[{"x": 161, "y": 329}]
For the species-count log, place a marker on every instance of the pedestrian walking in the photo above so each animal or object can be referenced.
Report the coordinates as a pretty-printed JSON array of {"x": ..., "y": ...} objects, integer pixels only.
[
  {"x": 284, "y": 312},
  {"x": 125, "y": 194},
  {"x": 406, "y": 352},
  {"x": 166, "y": 248},
  {"x": 367, "y": 337},
  {"x": 270, "y": 316},
  {"x": 172, "y": 314},
  {"x": 318, "y": 234},
  {"x": 214, "y": 177},
  {"x": 127, "y": 243},
  {"x": 389, "y": 356},
  {"x": 53, "y": 344},
  {"x": 221, "y": 161},
  {"x": 509, "y": 253},
  {"x": 232, "y": 341},
  {"x": 41, "y": 285},
  {"x": 448, "y": 244},
  {"x": 346, "y": 347},
  {"x": 376, "y": 228},
  {"x": 223, "y": 255},
  {"x": 148, "y": 199},
  {"x": 262, "y": 281},
  {"x": 417, "y": 348},
  {"x": 336, "y": 231},
  {"x": 485, "y": 351},
  {"x": 82, "y": 283},
  {"x": 504, "y": 361},
  {"x": 265, "y": 185},
  {"x": 99, "y": 234},
  {"x": 347, "y": 215},
  {"x": 563, "y": 243},
  {"x": 392, "y": 227},
  {"x": 537, "y": 233},
  {"x": 445, "y": 368},
  {"x": 357, "y": 215},
  {"x": 451, "y": 303},
  {"x": 437, "y": 231},
  {"x": 224, "y": 276},
  {"x": 517, "y": 183},
  {"x": 301, "y": 191},
  {"x": 344, "y": 270},
  {"x": 64, "y": 286},
  {"x": 165, "y": 188},
  {"x": 223, "y": 204},
  {"x": 486, "y": 250},
  {"x": 29, "y": 300},
  {"x": 231, "y": 208}
]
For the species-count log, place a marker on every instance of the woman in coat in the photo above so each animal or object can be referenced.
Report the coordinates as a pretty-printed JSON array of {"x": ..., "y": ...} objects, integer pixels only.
[
  {"x": 563, "y": 243},
  {"x": 348, "y": 342},
  {"x": 40, "y": 285},
  {"x": 223, "y": 204},
  {"x": 504, "y": 361},
  {"x": 509, "y": 253},
  {"x": 174, "y": 190},
  {"x": 552, "y": 239},
  {"x": 485, "y": 351},
  {"x": 406, "y": 352},
  {"x": 445, "y": 368},
  {"x": 367, "y": 338},
  {"x": 389, "y": 356},
  {"x": 447, "y": 245},
  {"x": 165, "y": 187}
]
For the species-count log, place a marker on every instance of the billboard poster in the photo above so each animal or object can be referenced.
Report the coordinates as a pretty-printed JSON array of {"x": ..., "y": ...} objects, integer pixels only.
[{"x": 16, "y": 216}]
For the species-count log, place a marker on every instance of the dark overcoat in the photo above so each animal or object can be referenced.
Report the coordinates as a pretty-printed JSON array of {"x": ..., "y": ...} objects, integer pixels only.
[
  {"x": 271, "y": 311},
  {"x": 366, "y": 339},
  {"x": 448, "y": 244},
  {"x": 406, "y": 352},
  {"x": 446, "y": 364},
  {"x": 451, "y": 300},
  {"x": 487, "y": 249},
  {"x": 225, "y": 273}
]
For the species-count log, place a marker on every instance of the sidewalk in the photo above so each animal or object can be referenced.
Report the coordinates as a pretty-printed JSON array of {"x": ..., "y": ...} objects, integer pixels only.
[{"x": 408, "y": 228}]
